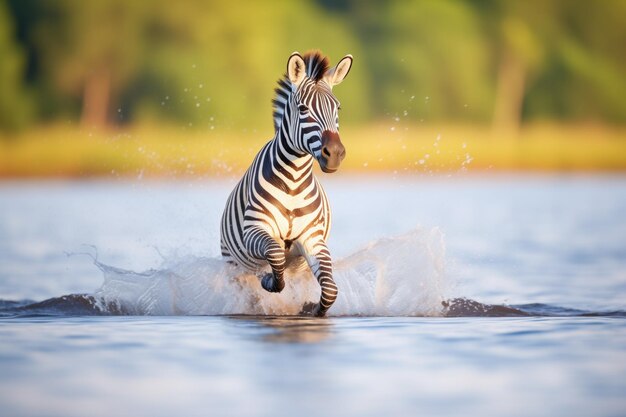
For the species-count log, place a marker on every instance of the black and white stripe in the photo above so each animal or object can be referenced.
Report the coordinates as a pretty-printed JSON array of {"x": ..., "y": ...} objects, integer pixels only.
[{"x": 278, "y": 212}]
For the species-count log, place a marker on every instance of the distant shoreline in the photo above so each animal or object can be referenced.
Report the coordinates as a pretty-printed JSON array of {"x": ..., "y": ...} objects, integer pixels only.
[{"x": 152, "y": 151}]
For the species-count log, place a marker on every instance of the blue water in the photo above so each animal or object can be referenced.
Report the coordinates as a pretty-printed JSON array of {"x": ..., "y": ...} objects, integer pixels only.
[{"x": 465, "y": 295}]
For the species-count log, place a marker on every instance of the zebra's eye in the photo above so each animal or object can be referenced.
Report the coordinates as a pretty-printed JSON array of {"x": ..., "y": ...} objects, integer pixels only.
[{"x": 303, "y": 109}]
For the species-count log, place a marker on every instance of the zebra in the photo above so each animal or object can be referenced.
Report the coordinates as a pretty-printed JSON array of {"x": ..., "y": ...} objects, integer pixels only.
[{"x": 278, "y": 213}]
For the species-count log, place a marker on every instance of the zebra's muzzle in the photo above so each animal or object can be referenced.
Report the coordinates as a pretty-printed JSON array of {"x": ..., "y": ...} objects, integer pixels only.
[{"x": 333, "y": 152}]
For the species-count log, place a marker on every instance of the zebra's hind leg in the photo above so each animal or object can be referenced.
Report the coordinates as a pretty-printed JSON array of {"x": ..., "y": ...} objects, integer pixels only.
[
  {"x": 261, "y": 245},
  {"x": 320, "y": 262}
]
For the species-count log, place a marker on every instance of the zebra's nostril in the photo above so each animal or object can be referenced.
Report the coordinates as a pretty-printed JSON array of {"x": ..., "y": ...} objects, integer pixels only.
[{"x": 326, "y": 152}]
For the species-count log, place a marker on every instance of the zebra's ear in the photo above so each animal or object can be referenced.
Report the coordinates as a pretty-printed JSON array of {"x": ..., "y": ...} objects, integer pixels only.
[
  {"x": 296, "y": 69},
  {"x": 336, "y": 74}
]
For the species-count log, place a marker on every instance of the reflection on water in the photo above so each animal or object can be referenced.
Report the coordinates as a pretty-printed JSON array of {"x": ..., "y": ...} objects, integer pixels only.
[
  {"x": 297, "y": 366},
  {"x": 293, "y": 329}
]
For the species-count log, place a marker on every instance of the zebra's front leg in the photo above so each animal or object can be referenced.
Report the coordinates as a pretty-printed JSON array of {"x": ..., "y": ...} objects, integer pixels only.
[
  {"x": 261, "y": 245},
  {"x": 320, "y": 262}
]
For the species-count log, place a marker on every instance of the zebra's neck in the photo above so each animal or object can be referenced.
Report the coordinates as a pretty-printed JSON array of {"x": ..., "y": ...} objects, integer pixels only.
[{"x": 284, "y": 157}]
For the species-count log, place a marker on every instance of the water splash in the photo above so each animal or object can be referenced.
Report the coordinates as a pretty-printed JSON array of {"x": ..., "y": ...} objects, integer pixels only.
[
  {"x": 400, "y": 276},
  {"x": 395, "y": 276}
]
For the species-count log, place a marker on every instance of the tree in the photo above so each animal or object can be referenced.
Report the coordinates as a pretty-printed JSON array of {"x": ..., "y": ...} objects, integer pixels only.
[
  {"x": 91, "y": 50},
  {"x": 440, "y": 57},
  {"x": 214, "y": 64},
  {"x": 558, "y": 59},
  {"x": 516, "y": 34},
  {"x": 583, "y": 77},
  {"x": 206, "y": 63},
  {"x": 16, "y": 107},
  {"x": 424, "y": 59}
]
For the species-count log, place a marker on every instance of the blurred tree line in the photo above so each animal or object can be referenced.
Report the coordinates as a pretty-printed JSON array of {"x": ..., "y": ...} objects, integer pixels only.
[{"x": 214, "y": 63}]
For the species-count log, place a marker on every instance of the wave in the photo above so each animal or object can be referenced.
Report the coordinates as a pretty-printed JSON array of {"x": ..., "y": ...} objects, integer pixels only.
[
  {"x": 398, "y": 276},
  {"x": 89, "y": 305}
]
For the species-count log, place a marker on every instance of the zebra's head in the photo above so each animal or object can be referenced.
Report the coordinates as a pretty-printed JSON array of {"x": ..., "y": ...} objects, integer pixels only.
[{"x": 307, "y": 110}]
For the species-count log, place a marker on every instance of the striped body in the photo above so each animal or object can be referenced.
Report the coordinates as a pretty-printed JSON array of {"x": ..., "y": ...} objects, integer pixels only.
[
  {"x": 278, "y": 213},
  {"x": 286, "y": 200}
]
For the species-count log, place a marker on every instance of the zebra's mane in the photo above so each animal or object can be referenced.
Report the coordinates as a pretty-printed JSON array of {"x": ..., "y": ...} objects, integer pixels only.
[{"x": 316, "y": 66}]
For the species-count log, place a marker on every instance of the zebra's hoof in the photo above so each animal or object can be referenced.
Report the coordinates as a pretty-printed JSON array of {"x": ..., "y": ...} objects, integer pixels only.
[
  {"x": 270, "y": 284},
  {"x": 312, "y": 309}
]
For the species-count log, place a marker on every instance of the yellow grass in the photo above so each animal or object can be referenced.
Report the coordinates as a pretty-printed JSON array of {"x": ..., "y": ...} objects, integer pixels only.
[{"x": 61, "y": 151}]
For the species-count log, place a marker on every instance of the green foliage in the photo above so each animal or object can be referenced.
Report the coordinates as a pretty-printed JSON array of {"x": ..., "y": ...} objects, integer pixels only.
[
  {"x": 440, "y": 57},
  {"x": 222, "y": 68},
  {"x": 15, "y": 103},
  {"x": 584, "y": 76},
  {"x": 211, "y": 64}
]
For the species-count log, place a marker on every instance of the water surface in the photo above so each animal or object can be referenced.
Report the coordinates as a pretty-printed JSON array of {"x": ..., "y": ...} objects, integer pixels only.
[{"x": 535, "y": 267}]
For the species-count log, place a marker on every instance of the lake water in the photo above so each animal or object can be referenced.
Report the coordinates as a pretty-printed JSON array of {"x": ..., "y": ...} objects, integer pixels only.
[{"x": 494, "y": 295}]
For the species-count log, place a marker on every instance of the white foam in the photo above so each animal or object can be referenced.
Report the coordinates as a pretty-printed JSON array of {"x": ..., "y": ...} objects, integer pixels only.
[{"x": 398, "y": 276}]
